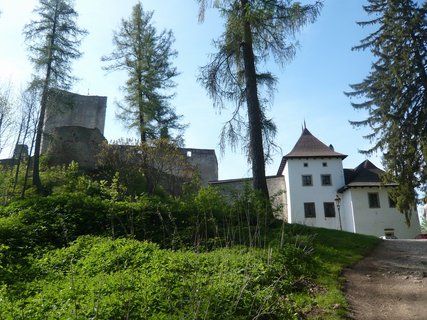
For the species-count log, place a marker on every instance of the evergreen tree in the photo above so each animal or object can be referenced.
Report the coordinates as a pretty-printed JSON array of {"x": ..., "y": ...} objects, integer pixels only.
[
  {"x": 254, "y": 31},
  {"x": 146, "y": 56},
  {"x": 53, "y": 42},
  {"x": 395, "y": 94}
]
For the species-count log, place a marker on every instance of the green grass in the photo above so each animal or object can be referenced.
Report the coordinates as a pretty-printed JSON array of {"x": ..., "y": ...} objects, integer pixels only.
[
  {"x": 103, "y": 278},
  {"x": 334, "y": 250}
]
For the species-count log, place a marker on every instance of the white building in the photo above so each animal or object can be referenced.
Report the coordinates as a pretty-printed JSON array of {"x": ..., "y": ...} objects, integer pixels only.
[{"x": 319, "y": 192}]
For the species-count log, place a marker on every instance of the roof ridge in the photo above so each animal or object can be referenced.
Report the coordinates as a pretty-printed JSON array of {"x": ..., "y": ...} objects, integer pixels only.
[{"x": 308, "y": 146}]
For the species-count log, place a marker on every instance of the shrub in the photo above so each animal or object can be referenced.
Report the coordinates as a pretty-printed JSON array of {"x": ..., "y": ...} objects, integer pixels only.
[
  {"x": 113, "y": 279},
  {"x": 51, "y": 221}
]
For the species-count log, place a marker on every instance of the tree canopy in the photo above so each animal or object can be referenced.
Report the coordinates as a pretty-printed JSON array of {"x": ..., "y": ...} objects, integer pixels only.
[
  {"x": 146, "y": 56},
  {"x": 394, "y": 94},
  {"x": 53, "y": 40},
  {"x": 254, "y": 32}
]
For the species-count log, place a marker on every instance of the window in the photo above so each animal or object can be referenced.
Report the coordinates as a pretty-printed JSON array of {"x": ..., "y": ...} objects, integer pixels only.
[
  {"x": 305, "y": 164},
  {"x": 325, "y": 164},
  {"x": 306, "y": 180},
  {"x": 374, "y": 200},
  {"x": 326, "y": 179},
  {"x": 391, "y": 202},
  {"x": 329, "y": 208},
  {"x": 309, "y": 210}
]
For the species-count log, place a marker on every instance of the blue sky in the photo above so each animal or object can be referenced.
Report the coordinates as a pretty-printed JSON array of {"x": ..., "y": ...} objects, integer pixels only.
[{"x": 310, "y": 88}]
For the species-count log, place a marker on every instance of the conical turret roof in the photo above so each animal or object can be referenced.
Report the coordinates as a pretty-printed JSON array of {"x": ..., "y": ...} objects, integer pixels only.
[{"x": 308, "y": 146}]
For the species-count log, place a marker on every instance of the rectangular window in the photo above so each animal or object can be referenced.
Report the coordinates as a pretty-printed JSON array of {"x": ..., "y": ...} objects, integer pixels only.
[
  {"x": 329, "y": 208},
  {"x": 374, "y": 200},
  {"x": 325, "y": 164},
  {"x": 309, "y": 210},
  {"x": 306, "y": 180},
  {"x": 305, "y": 164},
  {"x": 391, "y": 202},
  {"x": 326, "y": 179}
]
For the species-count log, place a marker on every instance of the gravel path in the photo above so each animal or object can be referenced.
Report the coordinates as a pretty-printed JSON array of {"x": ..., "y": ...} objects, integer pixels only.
[{"x": 390, "y": 283}]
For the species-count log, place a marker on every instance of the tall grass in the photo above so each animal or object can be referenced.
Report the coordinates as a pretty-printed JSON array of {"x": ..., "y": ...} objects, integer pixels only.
[{"x": 91, "y": 251}]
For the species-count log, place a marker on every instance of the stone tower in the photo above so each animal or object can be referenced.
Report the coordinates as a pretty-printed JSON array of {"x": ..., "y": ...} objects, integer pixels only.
[{"x": 73, "y": 128}]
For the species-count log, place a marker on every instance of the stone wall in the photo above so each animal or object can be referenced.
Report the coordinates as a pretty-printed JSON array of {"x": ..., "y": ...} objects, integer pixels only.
[
  {"x": 276, "y": 189},
  {"x": 66, "y": 109},
  {"x": 205, "y": 161},
  {"x": 74, "y": 143},
  {"x": 74, "y": 127}
]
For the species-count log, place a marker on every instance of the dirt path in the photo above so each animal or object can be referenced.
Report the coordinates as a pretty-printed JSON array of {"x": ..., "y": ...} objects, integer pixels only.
[{"x": 390, "y": 283}]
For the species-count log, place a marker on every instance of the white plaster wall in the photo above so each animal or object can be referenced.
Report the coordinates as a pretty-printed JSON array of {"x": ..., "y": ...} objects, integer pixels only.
[
  {"x": 347, "y": 212},
  {"x": 289, "y": 207},
  {"x": 373, "y": 221},
  {"x": 297, "y": 194}
]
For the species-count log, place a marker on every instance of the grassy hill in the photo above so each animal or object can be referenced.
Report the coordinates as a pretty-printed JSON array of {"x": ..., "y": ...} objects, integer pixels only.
[
  {"x": 295, "y": 276},
  {"x": 91, "y": 249}
]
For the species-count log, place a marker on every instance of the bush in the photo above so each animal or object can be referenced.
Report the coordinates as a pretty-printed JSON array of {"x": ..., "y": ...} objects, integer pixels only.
[
  {"x": 46, "y": 222},
  {"x": 127, "y": 279}
]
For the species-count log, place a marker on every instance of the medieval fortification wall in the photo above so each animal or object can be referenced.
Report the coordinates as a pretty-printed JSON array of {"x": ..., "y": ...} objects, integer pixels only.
[
  {"x": 74, "y": 128},
  {"x": 66, "y": 109}
]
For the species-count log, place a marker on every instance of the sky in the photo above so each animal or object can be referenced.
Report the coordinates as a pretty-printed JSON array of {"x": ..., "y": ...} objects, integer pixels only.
[{"x": 310, "y": 88}]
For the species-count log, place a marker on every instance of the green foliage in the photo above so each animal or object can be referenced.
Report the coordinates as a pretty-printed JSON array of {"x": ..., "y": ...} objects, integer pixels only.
[
  {"x": 102, "y": 278},
  {"x": 254, "y": 32},
  {"x": 51, "y": 221},
  {"x": 207, "y": 255},
  {"x": 122, "y": 157},
  {"x": 6, "y": 183},
  {"x": 53, "y": 40},
  {"x": 333, "y": 251},
  {"x": 56, "y": 179},
  {"x": 156, "y": 167},
  {"x": 165, "y": 166},
  {"x": 204, "y": 220},
  {"x": 424, "y": 225},
  {"x": 394, "y": 94},
  {"x": 146, "y": 56}
]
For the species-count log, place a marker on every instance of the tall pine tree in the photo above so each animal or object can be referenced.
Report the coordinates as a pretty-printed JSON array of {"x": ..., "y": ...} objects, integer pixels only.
[
  {"x": 146, "y": 56},
  {"x": 53, "y": 40},
  {"x": 255, "y": 30},
  {"x": 395, "y": 94}
]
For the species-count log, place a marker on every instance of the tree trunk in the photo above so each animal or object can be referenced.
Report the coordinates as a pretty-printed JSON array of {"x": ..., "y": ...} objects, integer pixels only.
[
  {"x": 256, "y": 148},
  {"x": 39, "y": 132},
  {"x": 27, "y": 170},
  {"x": 36, "y": 161}
]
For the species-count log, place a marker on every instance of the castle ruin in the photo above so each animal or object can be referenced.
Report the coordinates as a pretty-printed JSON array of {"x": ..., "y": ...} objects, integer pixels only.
[{"x": 74, "y": 130}]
